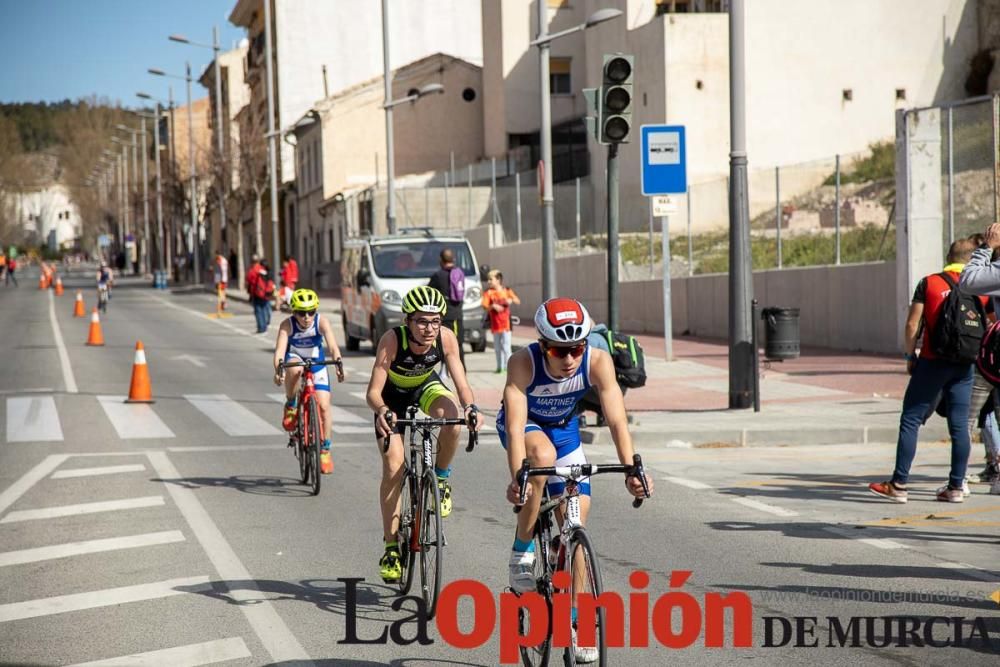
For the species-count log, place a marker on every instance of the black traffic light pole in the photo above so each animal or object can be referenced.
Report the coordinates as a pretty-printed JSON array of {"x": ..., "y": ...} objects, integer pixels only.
[{"x": 613, "y": 236}]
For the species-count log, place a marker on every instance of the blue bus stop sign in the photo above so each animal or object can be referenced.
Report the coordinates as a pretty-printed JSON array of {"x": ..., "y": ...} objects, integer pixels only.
[{"x": 664, "y": 160}]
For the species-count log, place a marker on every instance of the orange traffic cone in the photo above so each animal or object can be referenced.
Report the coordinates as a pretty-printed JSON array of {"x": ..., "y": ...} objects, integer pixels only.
[
  {"x": 78, "y": 309},
  {"x": 95, "y": 337},
  {"x": 140, "y": 391},
  {"x": 59, "y": 287},
  {"x": 42, "y": 282}
]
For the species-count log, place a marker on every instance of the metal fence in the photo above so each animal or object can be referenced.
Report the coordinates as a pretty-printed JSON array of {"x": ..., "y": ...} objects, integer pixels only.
[{"x": 969, "y": 159}]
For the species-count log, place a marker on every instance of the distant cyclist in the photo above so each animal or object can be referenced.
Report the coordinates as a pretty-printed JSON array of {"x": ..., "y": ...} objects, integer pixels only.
[
  {"x": 538, "y": 419},
  {"x": 404, "y": 375},
  {"x": 105, "y": 280},
  {"x": 301, "y": 337}
]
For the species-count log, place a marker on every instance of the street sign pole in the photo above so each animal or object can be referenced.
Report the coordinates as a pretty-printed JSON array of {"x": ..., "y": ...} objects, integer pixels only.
[{"x": 664, "y": 172}]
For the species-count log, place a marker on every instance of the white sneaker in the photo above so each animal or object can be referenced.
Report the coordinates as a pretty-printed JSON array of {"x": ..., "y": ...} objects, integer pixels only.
[
  {"x": 584, "y": 654},
  {"x": 966, "y": 492},
  {"x": 521, "y": 571}
]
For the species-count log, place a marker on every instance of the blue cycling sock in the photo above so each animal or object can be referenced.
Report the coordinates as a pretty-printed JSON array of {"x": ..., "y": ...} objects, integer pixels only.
[
  {"x": 325, "y": 447},
  {"x": 572, "y": 615},
  {"x": 290, "y": 403},
  {"x": 442, "y": 474},
  {"x": 523, "y": 545}
]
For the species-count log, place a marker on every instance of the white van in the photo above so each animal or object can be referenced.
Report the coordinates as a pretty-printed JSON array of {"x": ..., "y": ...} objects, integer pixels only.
[{"x": 377, "y": 272}]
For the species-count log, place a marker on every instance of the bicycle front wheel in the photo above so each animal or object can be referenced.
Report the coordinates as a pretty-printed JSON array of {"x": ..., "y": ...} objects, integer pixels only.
[
  {"x": 431, "y": 540},
  {"x": 315, "y": 440},
  {"x": 408, "y": 512},
  {"x": 538, "y": 656},
  {"x": 586, "y": 572},
  {"x": 301, "y": 453}
]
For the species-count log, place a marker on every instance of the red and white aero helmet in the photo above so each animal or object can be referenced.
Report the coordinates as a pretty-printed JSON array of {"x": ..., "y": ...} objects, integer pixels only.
[{"x": 563, "y": 320}]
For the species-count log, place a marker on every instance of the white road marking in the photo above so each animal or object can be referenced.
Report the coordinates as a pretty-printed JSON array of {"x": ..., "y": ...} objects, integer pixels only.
[
  {"x": 103, "y": 470},
  {"x": 104, "y": 598},
  {"x": 134, "y": 420},
  {"x": 230, "y": 416},
  {"x": 955, "y": 566},
  {"x": 340, "y": 415},
  {"x": 337, "y": 444},
  {"x": 763, "y": 507},
  {"x": 269, "y": 627},
  {"x": 39, "y": 390},
  {"x": 67, "y": 370},
  {"x": 83, "y": 508},
  {"x": 32, "y": 419},
  {"x": 690, "y": 483},
  {"x": 192, "y": 359},
  {"x": 30, "y": 478},
  {"x": 22, "y": 556},
  {"x": 204, "y": 316},
  {"x": 360, "y": 395},
  {"x": 191, "y": 655},
  {"x": 881, "y": 543}
]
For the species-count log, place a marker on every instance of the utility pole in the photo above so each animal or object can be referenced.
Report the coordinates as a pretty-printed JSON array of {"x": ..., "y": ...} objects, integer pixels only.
[{"x": 741, "y": 352}]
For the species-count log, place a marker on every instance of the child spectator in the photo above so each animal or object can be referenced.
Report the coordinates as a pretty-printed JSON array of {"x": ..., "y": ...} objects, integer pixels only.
[{"x": 496, "y": 301}]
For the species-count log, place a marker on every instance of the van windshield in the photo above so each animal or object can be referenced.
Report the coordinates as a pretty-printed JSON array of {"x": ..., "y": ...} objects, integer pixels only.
[{"x": 418, "y": 260}]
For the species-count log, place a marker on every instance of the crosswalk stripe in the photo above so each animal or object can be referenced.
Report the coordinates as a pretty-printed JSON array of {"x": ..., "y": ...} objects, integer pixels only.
[
  {"x": 10, "y": 495},
  {"x": 191, "y": 655},
  {"x": 362, "y": 396},
  {"x": 36, "y": 554},
  {"x": 134, "y": 420},
  {"x": 60, "y": 604},
  {"x": 340, "y": 415},
  {"x": 230, "y": 416},
  {"x": 32, "y": 419},
  {"x": 83, "y": 508},
  {"x": 102, "y": 470}
]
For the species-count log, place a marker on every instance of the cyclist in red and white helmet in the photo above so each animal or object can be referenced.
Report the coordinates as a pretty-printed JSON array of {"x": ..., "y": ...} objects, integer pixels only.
[{"x": 538, "y": 420}]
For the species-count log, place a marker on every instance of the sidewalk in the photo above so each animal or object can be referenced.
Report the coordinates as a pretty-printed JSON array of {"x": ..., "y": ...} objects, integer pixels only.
[{"x": 823, "y": 397}]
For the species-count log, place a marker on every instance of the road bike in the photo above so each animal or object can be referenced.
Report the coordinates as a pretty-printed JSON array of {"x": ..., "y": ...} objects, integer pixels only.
[
  {"x": 569, "y": 549},
  {"x": 307, "y": 437},
  {"x": 420, "y": 529},
  {"x": 103, "y": 296}
]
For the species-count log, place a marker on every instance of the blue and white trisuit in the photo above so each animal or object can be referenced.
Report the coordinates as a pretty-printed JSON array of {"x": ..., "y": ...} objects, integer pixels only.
[{"x": 305, "y": 344}]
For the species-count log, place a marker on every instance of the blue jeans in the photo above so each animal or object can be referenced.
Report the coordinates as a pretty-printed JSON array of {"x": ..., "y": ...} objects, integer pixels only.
[
  {"x": 931, "y": 377},
  {"x": 262, "y": 312}
]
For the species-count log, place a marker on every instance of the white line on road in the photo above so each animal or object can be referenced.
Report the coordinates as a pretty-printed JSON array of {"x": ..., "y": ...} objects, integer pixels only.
[
  {"x": 192, "y": 655},
  {"x": 32, "y": 419},
  {"x": 67, "y": 370},
  {"x": 134, "y": 420},
  {"x": 340, "y": 415},
  {"x": 204, "y": 316},
  {"x": 878, "y": 542},
  {"x": 337, "y": 444},
  {"x": 83, "y": 508},
  {"x": 269, "y": 627},
  {"x": 360, "y": 395},
  {"x": 104, "y": 598},
  {"x": 690, "y": 483},
  {"x": 763, "y": 507},
  {"x": 103, "y": 470},
  {"x": 22, "y": 556},
  {"x": 29, "y": 479},
  {"x": 39, "y": 390},
  {"x": 230, "y": 416}
]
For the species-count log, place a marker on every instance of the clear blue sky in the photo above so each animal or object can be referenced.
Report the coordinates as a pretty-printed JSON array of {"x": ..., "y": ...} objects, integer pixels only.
[{"x": 57, "y": 49}]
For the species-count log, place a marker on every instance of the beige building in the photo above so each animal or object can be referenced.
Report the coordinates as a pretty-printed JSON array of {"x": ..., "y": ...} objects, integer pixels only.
[
  {"x": 200, "y": 121},
  {"x": 340, "y": 149},
  {"x": 823, "y": 77}
]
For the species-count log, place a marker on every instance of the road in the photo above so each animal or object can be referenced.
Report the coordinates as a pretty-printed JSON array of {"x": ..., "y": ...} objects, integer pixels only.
[{"x": 178, "y": 534}]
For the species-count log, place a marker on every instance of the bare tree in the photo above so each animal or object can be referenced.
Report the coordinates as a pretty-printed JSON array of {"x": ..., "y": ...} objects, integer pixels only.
[{"x": 251, "y": 175}]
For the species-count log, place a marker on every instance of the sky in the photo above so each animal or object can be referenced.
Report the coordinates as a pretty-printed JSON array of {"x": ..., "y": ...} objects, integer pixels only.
[{"x": 52, "y": 50}]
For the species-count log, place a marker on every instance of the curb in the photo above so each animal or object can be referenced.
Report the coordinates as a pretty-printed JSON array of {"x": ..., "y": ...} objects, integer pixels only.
[{"x": 777, "y": 437}]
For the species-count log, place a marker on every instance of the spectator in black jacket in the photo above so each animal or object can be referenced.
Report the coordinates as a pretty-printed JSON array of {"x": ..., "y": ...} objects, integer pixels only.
[{"x": 450, "y": 281}]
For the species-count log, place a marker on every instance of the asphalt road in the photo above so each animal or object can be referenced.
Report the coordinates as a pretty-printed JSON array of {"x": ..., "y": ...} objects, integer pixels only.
[{"x": 178, "y": 533}]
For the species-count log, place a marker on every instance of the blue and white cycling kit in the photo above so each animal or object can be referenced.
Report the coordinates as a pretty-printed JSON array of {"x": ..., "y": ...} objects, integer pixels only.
[
  {"x": 552, "y": 410},
  {"x": 308, "y": 344}
]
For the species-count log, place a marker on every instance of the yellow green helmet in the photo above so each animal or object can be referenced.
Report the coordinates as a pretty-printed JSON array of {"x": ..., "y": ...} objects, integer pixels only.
[
  {"x": 304, "y": 299},
  {"x": 424, "y": 299}
]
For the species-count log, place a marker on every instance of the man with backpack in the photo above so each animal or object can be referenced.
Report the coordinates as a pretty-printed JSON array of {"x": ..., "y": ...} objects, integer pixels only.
[
  {"x": 450, "y": 281},
  {"x": 953, "y": 324}
]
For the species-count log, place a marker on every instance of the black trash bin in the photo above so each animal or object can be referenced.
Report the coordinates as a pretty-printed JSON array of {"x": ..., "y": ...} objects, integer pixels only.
[{"x": 781, "y": 333}]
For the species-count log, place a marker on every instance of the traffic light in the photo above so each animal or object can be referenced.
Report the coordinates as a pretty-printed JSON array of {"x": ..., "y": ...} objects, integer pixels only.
[{"x": 615, "y": 114}]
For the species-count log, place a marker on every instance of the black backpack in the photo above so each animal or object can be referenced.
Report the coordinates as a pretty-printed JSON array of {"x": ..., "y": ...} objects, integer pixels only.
[
  {"x": 960, "y": 326},
  {"x": 630, "y": 362}
]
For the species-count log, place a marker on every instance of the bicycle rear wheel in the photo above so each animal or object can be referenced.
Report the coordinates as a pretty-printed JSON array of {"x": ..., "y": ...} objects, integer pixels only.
[
  {"x": 586, "y": 572},
  {"x": 315, "y": 440},
  {"x": 408, "y": 512},
  {"x": 431, "y": 540},
  {"x": 538, "y": 656}
]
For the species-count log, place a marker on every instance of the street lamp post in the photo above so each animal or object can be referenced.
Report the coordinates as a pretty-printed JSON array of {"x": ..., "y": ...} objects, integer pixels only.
[
  {"x": 548, "y": 221},
  {"x": 390, "y": 211},
  {"x": 196, "y": 244},
  {"x": 144, "y": 254},
  {"x": 272, "y": 135},
  {"x": 160, "y": 254},
  {"x": 219, "y": 126},
  {"x": 123, "y": 189}
]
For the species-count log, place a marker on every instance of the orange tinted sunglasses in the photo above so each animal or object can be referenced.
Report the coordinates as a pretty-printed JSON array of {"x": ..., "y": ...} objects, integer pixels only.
[{"x": 557, "y": 352}]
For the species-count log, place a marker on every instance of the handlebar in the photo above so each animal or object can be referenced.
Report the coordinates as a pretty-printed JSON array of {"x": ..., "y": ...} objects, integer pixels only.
[
  {"x": 311, "y": 363},
  {"x": 577, "y": 472},
  {"x": 434, "y": 422}
]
